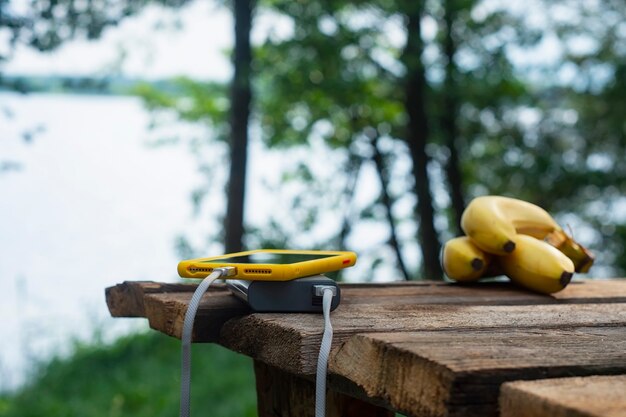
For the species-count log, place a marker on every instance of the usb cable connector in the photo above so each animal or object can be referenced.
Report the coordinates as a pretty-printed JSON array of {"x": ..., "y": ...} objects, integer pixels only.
[
  {"x": 227, "y": 271},
  {"x": 318, "y": 290}
]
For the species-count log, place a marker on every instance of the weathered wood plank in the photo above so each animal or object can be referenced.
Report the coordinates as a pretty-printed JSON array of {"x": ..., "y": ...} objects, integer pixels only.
[
  {"x": 290, "y": 342},
  {"x": 591, "y": 396},
  {"x": 164, "y": 305},
  {"x": 126, "y": 299},
  {"x": 458, "y": 373},
  {"x": 280, "y": 394},
  {"x": 168, "y": 302},
  {"x": 484, "y": 293},
  {"x": 166, "y": 313}
]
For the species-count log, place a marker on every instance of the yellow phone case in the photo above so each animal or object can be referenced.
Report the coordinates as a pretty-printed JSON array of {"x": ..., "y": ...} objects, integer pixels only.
[{"x": 200, "y": 268}]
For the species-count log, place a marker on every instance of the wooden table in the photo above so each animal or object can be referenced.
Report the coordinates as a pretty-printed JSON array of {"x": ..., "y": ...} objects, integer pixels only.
[{"x": 420, "y": 348}]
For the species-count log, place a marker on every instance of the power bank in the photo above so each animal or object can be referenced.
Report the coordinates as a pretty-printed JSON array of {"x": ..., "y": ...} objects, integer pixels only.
[{"x": 302, "y": 295}]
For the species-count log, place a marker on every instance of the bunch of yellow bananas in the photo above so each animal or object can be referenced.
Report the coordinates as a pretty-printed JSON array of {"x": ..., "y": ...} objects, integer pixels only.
[{"x": 517, "y": 238}]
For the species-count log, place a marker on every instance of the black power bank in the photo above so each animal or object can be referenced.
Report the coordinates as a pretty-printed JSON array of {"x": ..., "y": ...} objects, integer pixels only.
[{"x": 303, "y": 295}]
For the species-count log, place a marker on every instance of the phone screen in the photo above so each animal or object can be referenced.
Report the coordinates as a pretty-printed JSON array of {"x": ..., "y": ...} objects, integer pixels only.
[{"x": 268, "y": 258}]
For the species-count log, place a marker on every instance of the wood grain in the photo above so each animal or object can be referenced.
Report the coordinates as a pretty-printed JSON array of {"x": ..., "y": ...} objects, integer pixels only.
[
  {"x": 164, "y": 304},
  {"x": 290, "y": 342},
  {"x": 592, "y": 396},
  {"x": 458, "y": 373},
  {"x": 483, "y": 293},
  {"x": 126, "y": 299}
]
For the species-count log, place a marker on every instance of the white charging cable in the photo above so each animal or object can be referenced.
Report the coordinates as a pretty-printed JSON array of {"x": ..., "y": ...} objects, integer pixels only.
[
  {"x": 325, "y": 291},
  {"x": 322, "y": 361},
  {"x": 190, "y": 315}
]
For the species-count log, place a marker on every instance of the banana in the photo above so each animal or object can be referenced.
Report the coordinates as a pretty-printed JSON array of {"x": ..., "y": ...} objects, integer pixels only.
[
  {"x": 537, "y": 265},
  {"x": 463, "y": 261},
  {"x": 494, "y": 221}
]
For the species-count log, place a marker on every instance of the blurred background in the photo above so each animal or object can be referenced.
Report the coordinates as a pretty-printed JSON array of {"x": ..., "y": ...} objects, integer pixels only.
[{"x": 129, "y": 129}]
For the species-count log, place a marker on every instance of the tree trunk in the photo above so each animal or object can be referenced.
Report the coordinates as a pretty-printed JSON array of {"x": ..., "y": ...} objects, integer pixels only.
[
  {"x": 387, "y": 200},
  {"x": 352, "y": 172},
  {"x": 241, "y": 97},
  {"x": 449, "y": 118},
  {"x": 417, "y": 136}
]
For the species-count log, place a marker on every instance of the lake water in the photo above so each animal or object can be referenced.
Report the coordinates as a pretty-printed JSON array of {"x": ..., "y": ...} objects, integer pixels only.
[{"x": 91, "y": 206}]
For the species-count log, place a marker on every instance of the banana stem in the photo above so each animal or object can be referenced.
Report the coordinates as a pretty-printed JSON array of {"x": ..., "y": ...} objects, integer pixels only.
[{"x": 580, "y": 256}]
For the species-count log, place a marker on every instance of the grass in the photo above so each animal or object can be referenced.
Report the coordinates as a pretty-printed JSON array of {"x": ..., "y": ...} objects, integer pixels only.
[{"x": 137, "y": 376}]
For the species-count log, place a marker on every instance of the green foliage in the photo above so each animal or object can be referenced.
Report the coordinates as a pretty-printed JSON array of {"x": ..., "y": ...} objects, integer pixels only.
[
  {"x": 138, "y": 375},
  {"x": 558, "y": 140},
  {"x": 46, "y": 24},
  {"x": 335, "y": 86},
  {"x": 327, "y": 94},
  {"x": 191, "y": 101}
]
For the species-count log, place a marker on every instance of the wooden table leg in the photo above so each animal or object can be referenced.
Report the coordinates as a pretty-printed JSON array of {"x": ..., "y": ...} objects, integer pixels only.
[{"x": 281, "y": 394}]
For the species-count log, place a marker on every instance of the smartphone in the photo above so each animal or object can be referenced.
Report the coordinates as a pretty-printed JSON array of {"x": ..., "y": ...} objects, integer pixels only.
[{"x": 270, "y": 264}]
